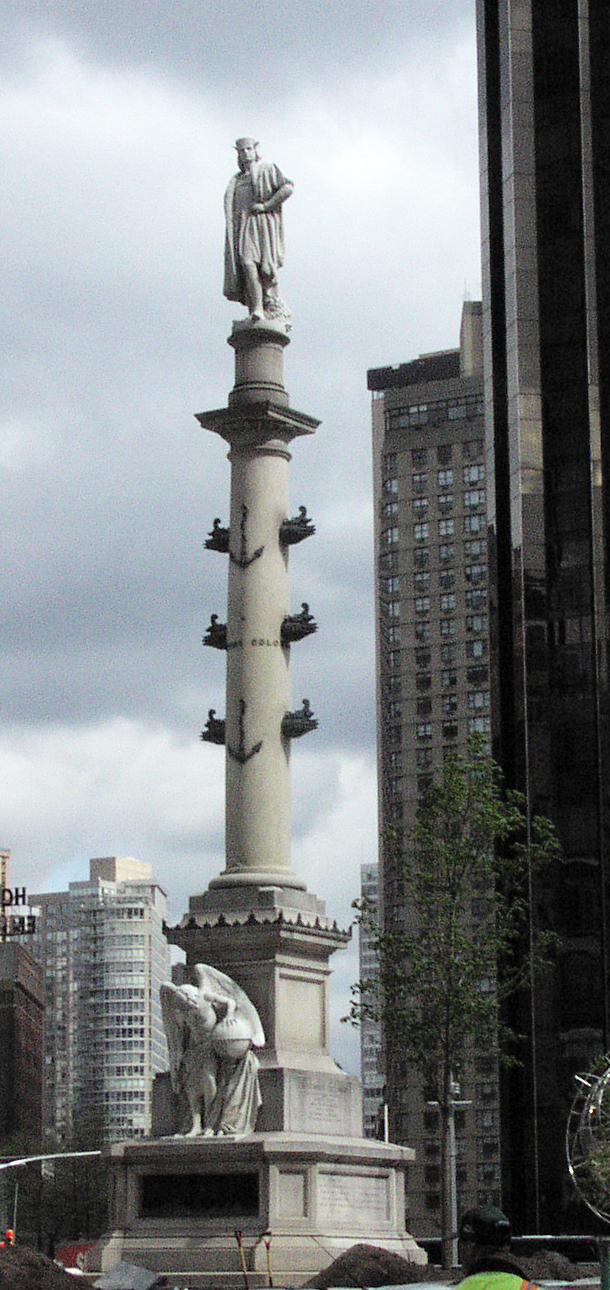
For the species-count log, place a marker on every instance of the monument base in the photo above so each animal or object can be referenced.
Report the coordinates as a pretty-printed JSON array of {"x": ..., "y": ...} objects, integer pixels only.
[{"x": 176, "y": 1204}]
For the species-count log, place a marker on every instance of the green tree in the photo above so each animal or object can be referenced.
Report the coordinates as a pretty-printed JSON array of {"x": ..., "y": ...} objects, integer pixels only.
[
  {"x": 65, "y": 1202},
  {"x": 456, "y": 938}
]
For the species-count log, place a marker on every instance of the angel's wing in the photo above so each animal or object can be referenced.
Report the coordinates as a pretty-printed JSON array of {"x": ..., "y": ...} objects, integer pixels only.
[
  {"x": 219, "y": 986},
  {"x": 179, "y": 1004}
]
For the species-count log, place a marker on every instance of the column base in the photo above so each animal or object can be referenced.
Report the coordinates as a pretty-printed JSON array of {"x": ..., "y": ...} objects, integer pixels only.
[{"x": 176, "y": 1203}]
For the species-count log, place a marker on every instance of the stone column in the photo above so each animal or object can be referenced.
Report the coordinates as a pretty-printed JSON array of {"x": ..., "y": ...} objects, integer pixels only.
[
  {"x": 258, "y": 424},
  {"x": 258, "y": 672}
]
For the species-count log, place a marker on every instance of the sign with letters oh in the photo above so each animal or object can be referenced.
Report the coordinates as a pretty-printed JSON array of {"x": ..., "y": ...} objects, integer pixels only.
[{"x": 13, "y": 924}]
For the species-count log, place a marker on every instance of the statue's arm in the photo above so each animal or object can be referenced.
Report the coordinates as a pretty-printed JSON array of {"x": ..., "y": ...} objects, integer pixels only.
[{"x": 276, "y": 200}]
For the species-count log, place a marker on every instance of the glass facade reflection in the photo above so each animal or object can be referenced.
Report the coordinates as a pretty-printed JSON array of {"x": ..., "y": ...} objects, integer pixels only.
[{"x": 545, "y": 163}]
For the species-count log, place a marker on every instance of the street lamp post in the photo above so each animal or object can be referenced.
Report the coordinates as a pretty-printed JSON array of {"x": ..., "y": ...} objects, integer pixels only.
[{"x": 453, "y": 1102}]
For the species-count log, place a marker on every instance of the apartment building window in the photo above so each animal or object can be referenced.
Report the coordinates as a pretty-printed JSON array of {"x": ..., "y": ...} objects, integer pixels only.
[
  {"x": 419, "y": 483},
  {"x": 415, "y": 415},
  {"x": 423, "y": 681},
  {"x": 446, "y": 550},
  {"x": 449, "y": 679},
  {"x": 422, "y": 604},
  {"x": 390, "y": 509},
  {"x": 421, "y": 582},
  {"x": 476, "y": 623},
  {"x": 395, "y": 759},
  {"x": 390, "y": 536},
  {"x": 422, "y": 657},
  {"x": 393, "y": 608},
  {"x": 445, "y": 479},
  {"x": 421, "y": 532},
  {"x": 392, "y": 635},
  {"x": 447, "y": 579},
  {"x": 477, "y": 598},
  {"x": 478, "y": 726},
  {"x": 448, "y": 653},
  {"x": 468, "y": 407},
  {"x": 475, "y": 572},
  {"x": 446, "y": 528},
  {"x": 477, "y": 675},
  {"x": 472, "y": 448},
  {"x": 445, "y": 501},
  {"x": 474, "y": 523},
  {"x": 388, "y": 560},
  {"x": 478, "y": 700},
  {"x": 390, "y": 463},
  {"x": 421, "y": 556},
  {"x": 476, "y": 649},
  {"x": 488, "y": 1147},
  {"x": 450, "y": 730},
  {"x": 476, "y": 548},
  {"x": 424, "y": 706},
  {"x": 419, "y": 457},
  {"x": 390, "y": 586},
  {"x": 395, "y": 708},
  {"x": 450, "y": 704},
  {"x": 423, "y": 758},
  {"x": 424, "y": 730},
  {"x": 474, "y": 474},
  {"x": 444, "y": 453},
  {"x": 420, "y": 506},
  {"x": 488, "y": 1172},
  {"x": 474, "y": 497},
  {"x": 487, "y": 1092},
  {"x": 448, "y": 601},
  {"x": 447, "y": 626},
  {"x": 394, "y": 660},
  {"x": 422, "y": 631}
]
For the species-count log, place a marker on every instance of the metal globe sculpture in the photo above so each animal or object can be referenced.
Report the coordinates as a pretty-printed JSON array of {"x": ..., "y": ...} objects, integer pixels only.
[{"x": 588, "y": 1140}]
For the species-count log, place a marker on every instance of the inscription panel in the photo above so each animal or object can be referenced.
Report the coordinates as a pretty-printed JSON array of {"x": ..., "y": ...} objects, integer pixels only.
[
  {"x": 320, "y": 1104},
  {"x": 344, "y": 1197}
]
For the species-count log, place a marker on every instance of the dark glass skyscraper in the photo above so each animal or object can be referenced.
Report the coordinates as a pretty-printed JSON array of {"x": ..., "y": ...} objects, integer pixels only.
[{"x": 545, "y": 148}]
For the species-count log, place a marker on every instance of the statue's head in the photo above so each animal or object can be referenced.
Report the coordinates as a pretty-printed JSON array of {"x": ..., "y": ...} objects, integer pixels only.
[{"x": 247, "y": 151}]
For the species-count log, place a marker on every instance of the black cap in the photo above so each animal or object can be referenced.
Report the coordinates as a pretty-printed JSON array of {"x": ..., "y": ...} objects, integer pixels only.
[{"x": 485, "y": 1225}]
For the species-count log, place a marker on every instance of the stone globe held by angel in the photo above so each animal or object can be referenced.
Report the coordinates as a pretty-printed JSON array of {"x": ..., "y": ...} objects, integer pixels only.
[{"x": 211, "y": 1028}]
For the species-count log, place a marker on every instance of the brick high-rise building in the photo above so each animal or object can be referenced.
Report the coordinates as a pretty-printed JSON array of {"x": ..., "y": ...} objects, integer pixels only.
[
  {"x": 433, "y": 681},
  {"x": 21, "y": 1014}
]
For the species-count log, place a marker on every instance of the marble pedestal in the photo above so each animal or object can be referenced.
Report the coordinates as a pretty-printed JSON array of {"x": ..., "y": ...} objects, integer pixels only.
[{"x": 177, "y": 1203}]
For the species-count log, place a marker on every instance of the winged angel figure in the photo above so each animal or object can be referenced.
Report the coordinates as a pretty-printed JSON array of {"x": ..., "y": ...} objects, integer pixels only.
[{"x": 211, "y": 1029}]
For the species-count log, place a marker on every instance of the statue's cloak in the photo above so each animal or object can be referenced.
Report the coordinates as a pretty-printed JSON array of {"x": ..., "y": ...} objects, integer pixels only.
[{"x": 259, "y": 238}]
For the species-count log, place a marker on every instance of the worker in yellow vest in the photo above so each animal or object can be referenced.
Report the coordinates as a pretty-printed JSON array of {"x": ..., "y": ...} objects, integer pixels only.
[{"x": 484, "y": 1252}]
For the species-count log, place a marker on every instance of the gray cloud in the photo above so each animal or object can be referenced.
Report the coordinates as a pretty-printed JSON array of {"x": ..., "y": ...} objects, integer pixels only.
[{"x": 260, "y": 49}]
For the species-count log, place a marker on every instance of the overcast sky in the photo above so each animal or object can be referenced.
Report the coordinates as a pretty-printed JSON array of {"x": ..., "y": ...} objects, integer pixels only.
[{"x": 117, "y": 125}]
